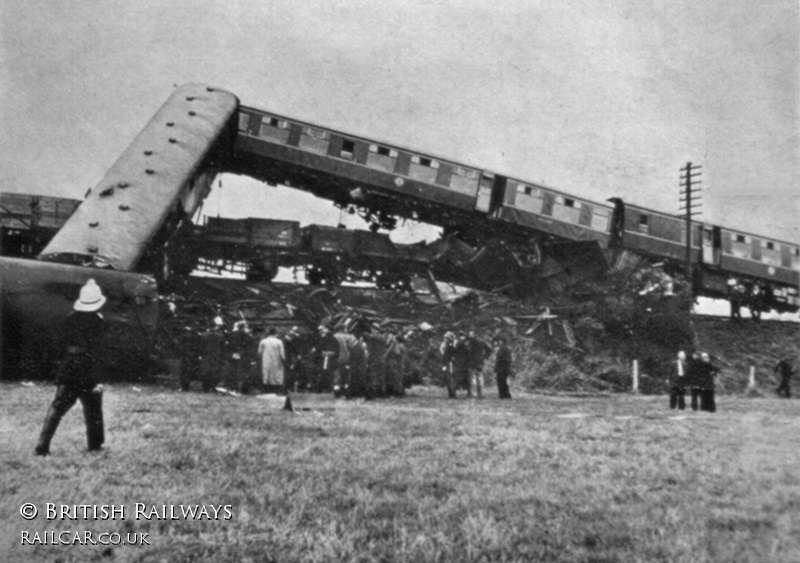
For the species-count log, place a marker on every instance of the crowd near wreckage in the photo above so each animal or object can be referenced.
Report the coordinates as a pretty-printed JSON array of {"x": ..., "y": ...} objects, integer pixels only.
[
  {"x": 133, "y": 231},
  {"x": 354, "y": 342}
]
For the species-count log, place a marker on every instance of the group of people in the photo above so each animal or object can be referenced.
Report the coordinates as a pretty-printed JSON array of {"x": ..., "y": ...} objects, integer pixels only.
[
  {"x": 366, "y": 361},
  {"x": 757, "y": 297},
  {"x": 374, "y": 363},
  {"x": 697, "y": 374},
  {"x": 463, "y": 357}
]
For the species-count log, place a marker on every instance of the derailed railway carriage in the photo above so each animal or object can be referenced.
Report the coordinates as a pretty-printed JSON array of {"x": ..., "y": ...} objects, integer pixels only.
[{"x": 385, "y": 180}]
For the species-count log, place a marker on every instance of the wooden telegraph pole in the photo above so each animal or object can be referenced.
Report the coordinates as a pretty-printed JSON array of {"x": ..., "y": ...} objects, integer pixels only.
[{"x": 689, "y": 204}]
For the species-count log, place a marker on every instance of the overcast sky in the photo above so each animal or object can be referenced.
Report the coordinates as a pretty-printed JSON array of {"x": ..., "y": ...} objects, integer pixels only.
[{"x": 595, "y": 98}]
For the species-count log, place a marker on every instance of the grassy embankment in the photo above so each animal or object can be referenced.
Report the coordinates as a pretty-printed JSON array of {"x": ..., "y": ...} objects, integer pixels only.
[{"x": 417, "y": 479}]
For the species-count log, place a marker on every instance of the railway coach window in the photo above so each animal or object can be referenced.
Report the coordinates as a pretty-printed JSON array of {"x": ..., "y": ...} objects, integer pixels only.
[
  {"x": 644, "y": 223},
  {"x": 566, "y": 209},
  {"x": 314, "y": 140},
  {"x": 423, "y": 169},
  {"x": 274, "y": 128},
  {"x": 524, "y": 190},
  {"x": 771, "y": 255},
  {"x": 466, "y": 173},
  {"x": 423, "y": 161},
  {"x": 740, "y": 247},
  {"x": 464, "y": 180},
  {"x": 382, "y": 158},
  {"x": 244, "y": 119},
  {"x": 348, "y": 148}
]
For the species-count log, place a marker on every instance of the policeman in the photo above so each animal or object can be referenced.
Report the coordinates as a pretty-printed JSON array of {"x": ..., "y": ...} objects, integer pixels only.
[{"x": 83, "y": 332}]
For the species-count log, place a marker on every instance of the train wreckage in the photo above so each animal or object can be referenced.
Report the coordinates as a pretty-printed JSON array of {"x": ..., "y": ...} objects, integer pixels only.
[{"x": 134, "y": 232}]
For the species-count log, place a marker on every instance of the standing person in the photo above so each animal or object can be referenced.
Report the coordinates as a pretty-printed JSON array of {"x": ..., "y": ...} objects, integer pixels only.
[
  {"x": 395, "y": 358},
  {"x": 735, "y": 297},
  {"x": 327, "y": 360},
  {"x": 273, "y": 357},
  {"x": 83, "y": 332},
  {"x": 693, "y": 379},
  {"x": 477, "y": 352},
  {"x": 756, "y": 302},
  {"x": 377, "y": 345},
  {"x": 342, "y": 373},
  {"x": 677, "y": 392},
  {"x": 295, "y": 378},
  {"x": 448, "y": 352},
  {"x": 707, "y": 372},
  {"x": 240, "y": 350},
  {"x": 502, "y": 368},
  {"x": 461, "y": 363},
  {"x": 786, "y": 370},
  {"x": 212, "y": 354}
]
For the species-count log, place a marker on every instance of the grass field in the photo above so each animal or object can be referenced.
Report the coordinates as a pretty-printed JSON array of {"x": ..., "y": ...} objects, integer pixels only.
[{"x": 415, "y": 479}]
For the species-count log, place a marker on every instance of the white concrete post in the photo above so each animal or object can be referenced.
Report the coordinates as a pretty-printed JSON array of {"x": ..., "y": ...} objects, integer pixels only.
[
  {"x": 635, "y": 386},
  {"x": 751, "y": 384}
]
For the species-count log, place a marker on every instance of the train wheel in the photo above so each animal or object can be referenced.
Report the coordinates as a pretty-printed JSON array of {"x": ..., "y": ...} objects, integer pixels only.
[{"x": 262, "y": 271}]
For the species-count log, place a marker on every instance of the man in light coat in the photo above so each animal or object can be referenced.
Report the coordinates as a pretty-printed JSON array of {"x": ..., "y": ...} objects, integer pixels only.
[{"x": 273, "y": 358}]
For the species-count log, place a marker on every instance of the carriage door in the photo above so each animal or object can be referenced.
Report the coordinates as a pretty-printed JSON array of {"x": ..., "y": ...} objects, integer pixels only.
[
  {"x": 484, "y": 200},
  {"x": 712, "y": 246}
]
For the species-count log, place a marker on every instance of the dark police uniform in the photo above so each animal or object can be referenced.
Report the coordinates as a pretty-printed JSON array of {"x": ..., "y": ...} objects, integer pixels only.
[{"x": 76, "y": 380}]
